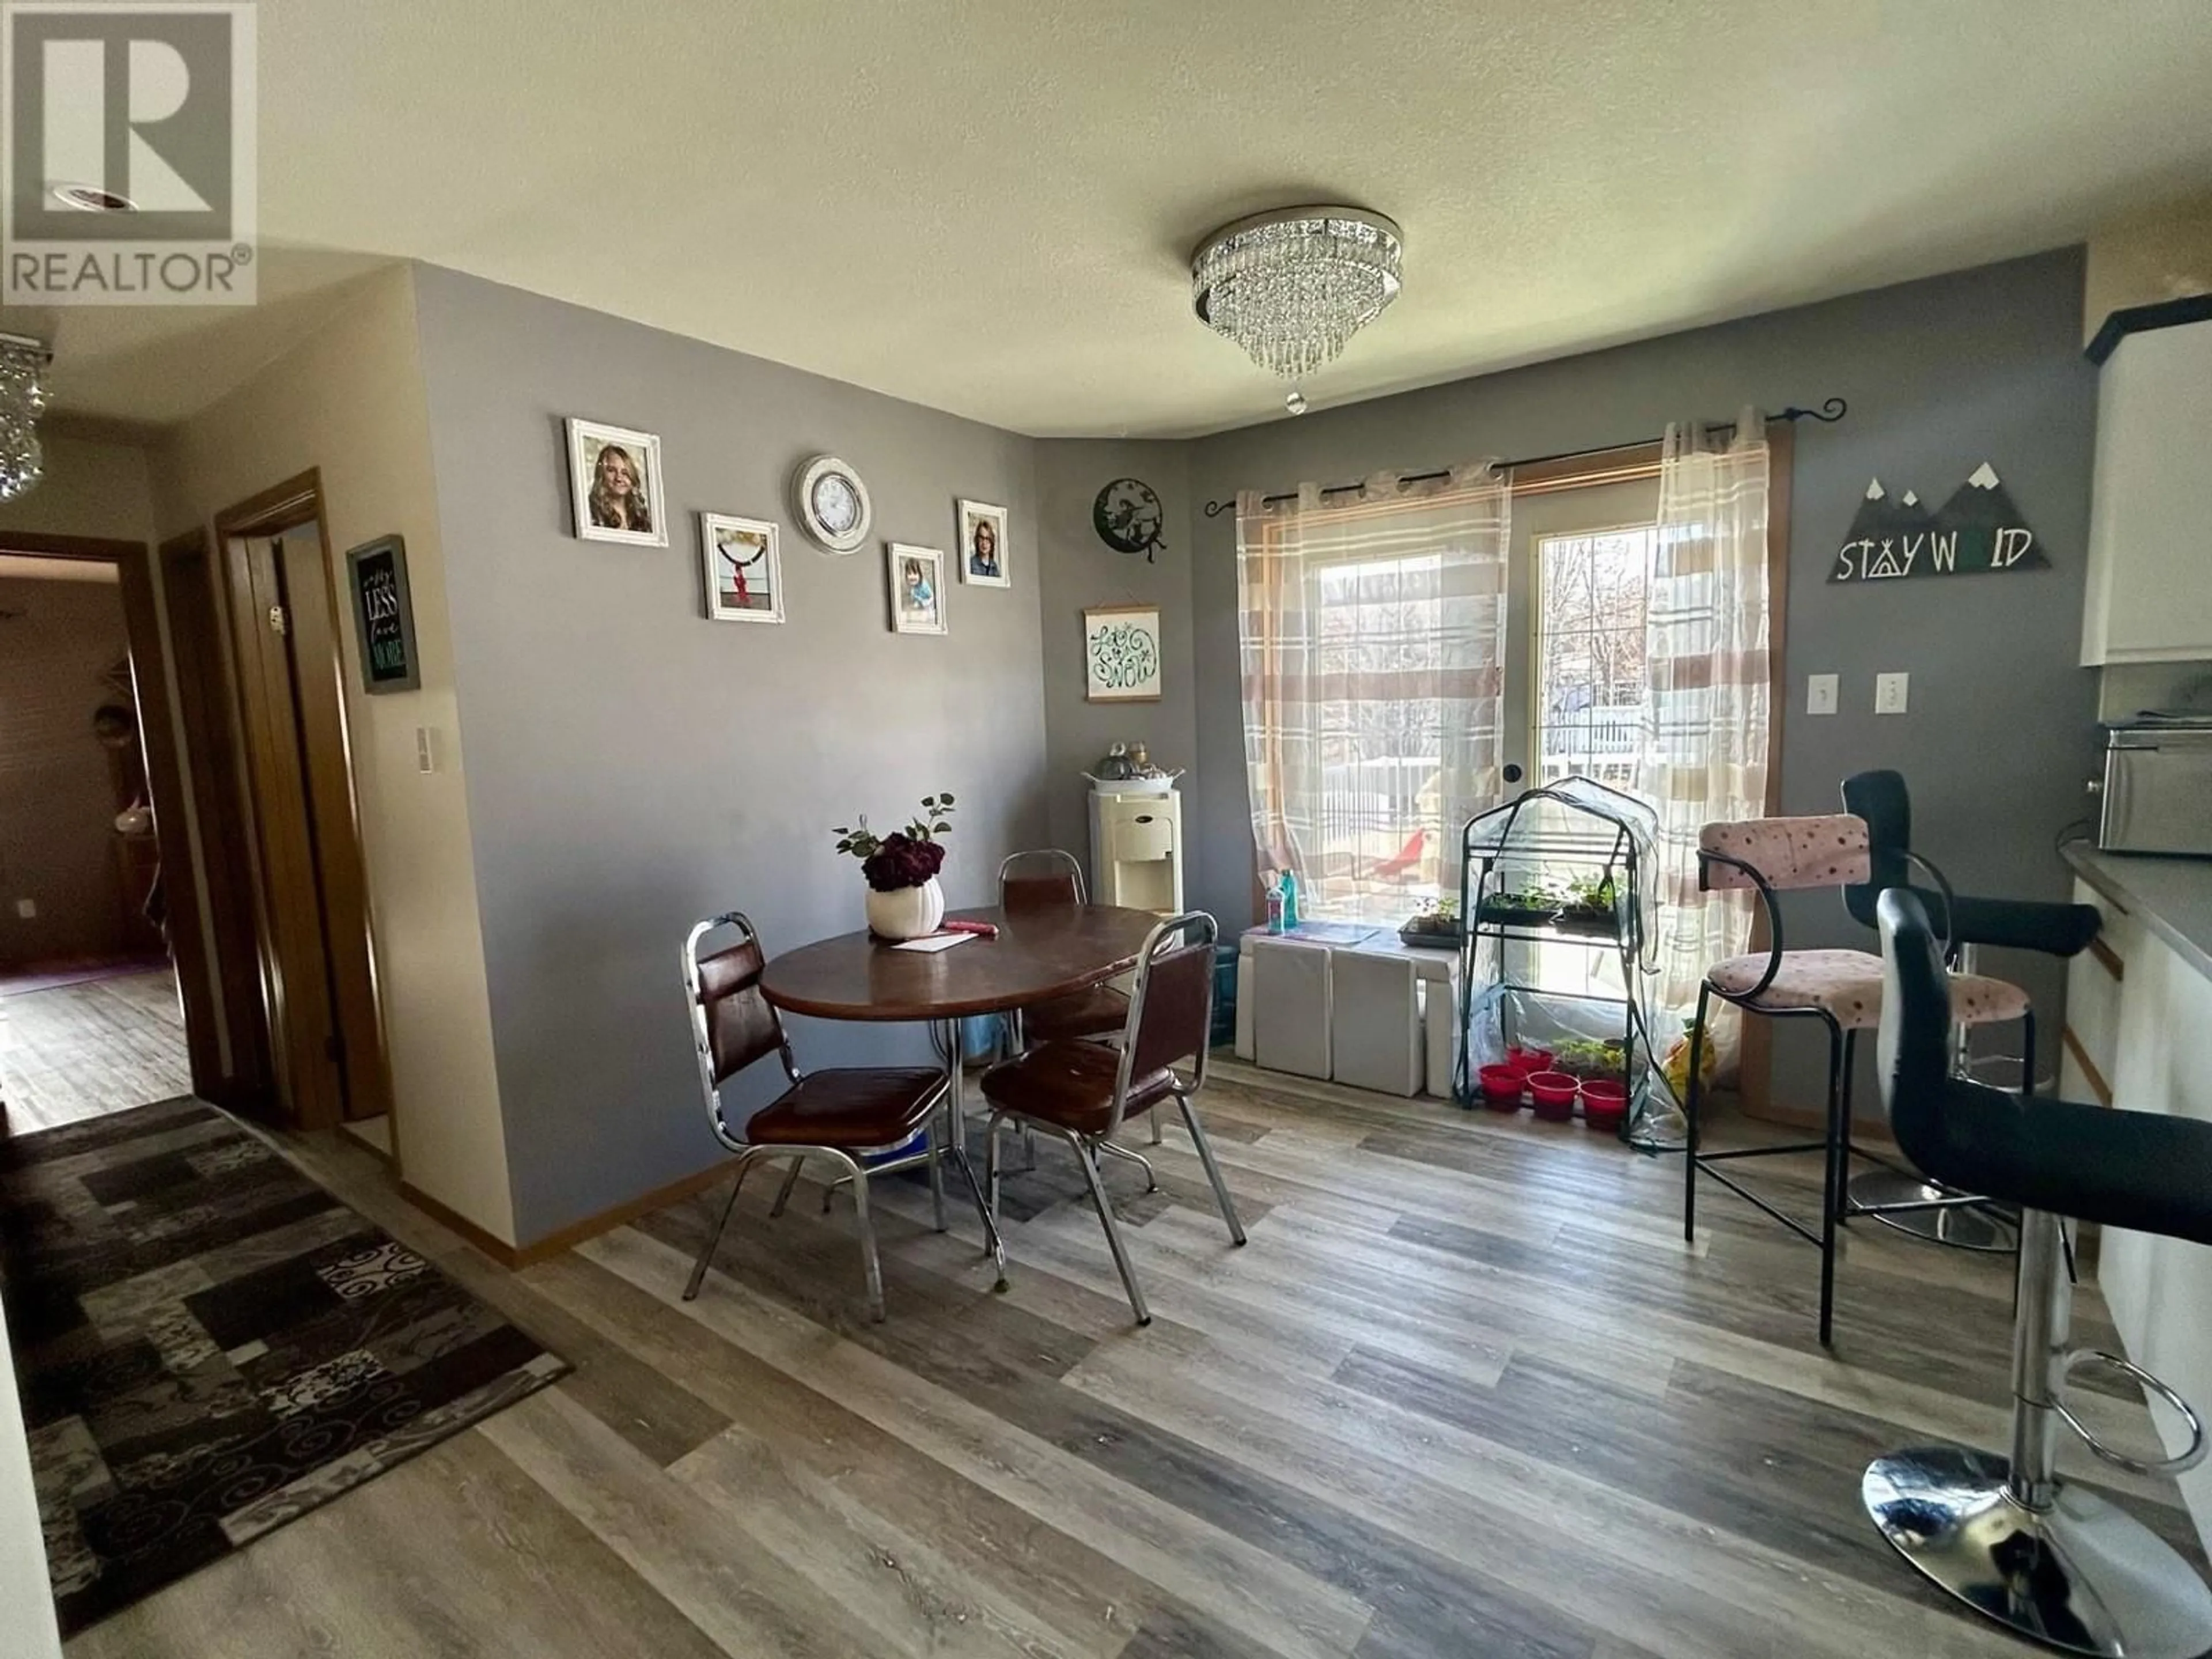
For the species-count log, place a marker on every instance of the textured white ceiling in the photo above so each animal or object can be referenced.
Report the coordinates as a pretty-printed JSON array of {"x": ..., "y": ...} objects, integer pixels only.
[{"x": 988, "y": 207}]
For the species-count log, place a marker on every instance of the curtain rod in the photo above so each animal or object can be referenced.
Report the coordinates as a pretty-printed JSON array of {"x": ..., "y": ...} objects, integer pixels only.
[{"x": 1831, "y": 410}]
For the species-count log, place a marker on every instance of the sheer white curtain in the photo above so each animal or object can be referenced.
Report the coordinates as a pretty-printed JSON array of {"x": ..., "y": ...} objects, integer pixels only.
[
  {"x": 1709, "y": 682},
  {"x": 1372, "y": 629}
]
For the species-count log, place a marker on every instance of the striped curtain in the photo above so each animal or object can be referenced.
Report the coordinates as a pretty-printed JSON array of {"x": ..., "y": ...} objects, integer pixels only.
[
  {"x": 1709, "y": 682},
  {"x": 1372, "y": 629}
]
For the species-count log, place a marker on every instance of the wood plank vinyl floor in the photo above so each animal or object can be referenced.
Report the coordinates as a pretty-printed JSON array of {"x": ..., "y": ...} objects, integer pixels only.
[
  {"x": 78, "y": 1051},
  {"x": 1466, "y": 1393}
]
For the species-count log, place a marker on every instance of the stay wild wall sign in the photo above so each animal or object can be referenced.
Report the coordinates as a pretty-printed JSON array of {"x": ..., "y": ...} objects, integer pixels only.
[{"x": 1977, "y": 530}]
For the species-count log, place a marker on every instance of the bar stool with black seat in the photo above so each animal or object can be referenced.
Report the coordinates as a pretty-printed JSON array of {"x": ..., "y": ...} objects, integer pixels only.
[
  {"x": 1906, "y": 1199},
  {"x": 1842, "y": 989},
  {"x": 1082, "y": 1091},
  {"x": 2004, "y": 1535},
  {"x": 845, "y": 1115}
]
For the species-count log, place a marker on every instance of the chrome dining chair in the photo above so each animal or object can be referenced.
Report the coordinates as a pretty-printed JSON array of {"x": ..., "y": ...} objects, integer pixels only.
[
  {"x": 1048, "y": 878},
  {"x": 847, "y": 1115},
  {"x": 1082, "y": 1091}
]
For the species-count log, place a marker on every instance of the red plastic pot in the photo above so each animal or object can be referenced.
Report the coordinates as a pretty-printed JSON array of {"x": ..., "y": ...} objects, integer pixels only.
[
  {"x": 1501, "y": 1088},
  {"x": 1554, "y": 1093},
  {"x": 1525, "y": 1060},
  {"x": 1605, "y": 1101}
]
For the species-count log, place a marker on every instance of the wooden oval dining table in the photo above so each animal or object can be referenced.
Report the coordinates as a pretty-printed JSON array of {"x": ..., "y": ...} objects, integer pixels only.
[{"x": 1037, "y": 955}]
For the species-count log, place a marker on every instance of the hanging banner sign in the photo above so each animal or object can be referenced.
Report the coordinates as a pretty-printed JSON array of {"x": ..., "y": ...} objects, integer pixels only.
[{"x": 1977, "y": 530}]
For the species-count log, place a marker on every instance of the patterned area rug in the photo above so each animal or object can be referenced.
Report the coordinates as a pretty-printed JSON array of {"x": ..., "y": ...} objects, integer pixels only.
[{"x": 211, "y": 1345}]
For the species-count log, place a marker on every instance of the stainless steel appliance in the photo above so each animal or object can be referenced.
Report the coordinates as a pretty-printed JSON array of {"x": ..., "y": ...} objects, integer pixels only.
[{"x": 2157, "y": 789}]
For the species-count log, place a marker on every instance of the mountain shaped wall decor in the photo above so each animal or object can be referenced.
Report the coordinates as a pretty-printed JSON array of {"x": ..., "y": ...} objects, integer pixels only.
[{"x": 1977, "y": 530}]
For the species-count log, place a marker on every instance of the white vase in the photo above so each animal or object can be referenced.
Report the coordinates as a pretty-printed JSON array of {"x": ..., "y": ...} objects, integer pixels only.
[{"x": 906, "y": 912}]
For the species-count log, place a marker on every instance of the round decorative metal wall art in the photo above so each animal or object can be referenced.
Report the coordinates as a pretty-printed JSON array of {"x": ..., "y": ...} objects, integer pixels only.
[
  {"x": 1129, "y": 517},
  {"x": 832, "y": 504}
]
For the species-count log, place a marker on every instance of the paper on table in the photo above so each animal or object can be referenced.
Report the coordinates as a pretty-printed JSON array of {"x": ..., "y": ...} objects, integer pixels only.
[{"x": 934, "y": 942}]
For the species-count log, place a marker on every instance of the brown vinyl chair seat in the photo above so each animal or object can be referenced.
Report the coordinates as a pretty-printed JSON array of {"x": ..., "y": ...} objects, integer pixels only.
[
  {"x": 857, "y": 1109},
  {"x": 1071, "y": 1085},
  {"x": 1101, "y": 1011}
]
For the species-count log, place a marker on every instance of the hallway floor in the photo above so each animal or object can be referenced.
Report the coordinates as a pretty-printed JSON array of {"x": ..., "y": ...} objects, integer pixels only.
[{"x": 76, "y": 1051}]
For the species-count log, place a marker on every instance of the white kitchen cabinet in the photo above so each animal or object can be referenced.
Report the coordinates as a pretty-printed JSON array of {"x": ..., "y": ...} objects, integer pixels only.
[
  {"x": 2159, "y": 1290},
  {"x": 2149, "y": 594}
]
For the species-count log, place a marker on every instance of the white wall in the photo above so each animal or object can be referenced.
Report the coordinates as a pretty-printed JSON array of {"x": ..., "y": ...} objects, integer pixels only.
[{"x": 350, "y": 401}]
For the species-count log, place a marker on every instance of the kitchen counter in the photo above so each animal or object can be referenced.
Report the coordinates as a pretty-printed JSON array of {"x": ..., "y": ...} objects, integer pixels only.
[{"x": 2173, "y": 898}]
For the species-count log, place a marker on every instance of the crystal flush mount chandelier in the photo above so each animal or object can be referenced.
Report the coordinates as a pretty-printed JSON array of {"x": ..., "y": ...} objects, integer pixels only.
[
  {"x": 22, "y": 399},
  {"x": 1294, "y": 285}
]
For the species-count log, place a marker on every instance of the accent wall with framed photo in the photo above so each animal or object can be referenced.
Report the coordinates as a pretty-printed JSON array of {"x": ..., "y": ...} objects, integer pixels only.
[
  {"x": 743, "y": 568},
  {"x": 1121, "y": 653},
  {"x": 614, "y": 479},
  {"x": 983, "y": 545},
  {"x": 917, "y": 584},
  {"x": 384, "y": 615}
]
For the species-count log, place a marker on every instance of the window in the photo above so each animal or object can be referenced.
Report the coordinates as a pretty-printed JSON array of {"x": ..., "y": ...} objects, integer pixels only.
[{"x": 1592, "y": 589}]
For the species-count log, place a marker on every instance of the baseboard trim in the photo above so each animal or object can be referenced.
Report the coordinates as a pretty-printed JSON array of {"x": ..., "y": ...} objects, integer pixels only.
[
  {"x": 497, "y": 1248},
  {"x": 605, "y": 1221},
  {"x": 1863, "y": 1130},
  {"x": 516, "y": 1256}
]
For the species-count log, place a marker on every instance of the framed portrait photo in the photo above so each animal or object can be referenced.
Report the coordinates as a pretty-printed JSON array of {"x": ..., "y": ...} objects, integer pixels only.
[
  {"x": 743, "y": 567},
  {"x": 916, "y": 575},
  {"x": 614, "y": 478},
  {"x": 983, "y": 545},
  {"x": 1121, "y": 653}
]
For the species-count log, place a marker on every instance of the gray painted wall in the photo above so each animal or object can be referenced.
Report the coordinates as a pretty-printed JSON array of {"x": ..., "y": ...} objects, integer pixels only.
[
  {"x": 1078, "y": 570},
  {"x": 632, "y": 766},
  {"x": 1940, "y": 375}
]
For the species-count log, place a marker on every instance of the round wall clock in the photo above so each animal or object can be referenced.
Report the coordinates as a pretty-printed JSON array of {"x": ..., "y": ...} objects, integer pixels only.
[
  {"x": 1127, "y": 517},
  {"x": 832, "y": 503}
]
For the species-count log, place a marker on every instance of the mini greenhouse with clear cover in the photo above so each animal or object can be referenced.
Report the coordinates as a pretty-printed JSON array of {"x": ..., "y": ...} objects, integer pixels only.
[{"x": 1556, "y": 890}]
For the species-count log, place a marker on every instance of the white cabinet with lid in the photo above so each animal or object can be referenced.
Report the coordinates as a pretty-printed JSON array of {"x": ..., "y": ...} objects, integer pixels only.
[
  {"x": 1136, "y": 849},
  {"x": 2150, "y": 518}
]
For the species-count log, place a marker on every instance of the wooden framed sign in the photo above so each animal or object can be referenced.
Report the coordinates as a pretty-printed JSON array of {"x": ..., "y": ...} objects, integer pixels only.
[
  {"x": 1121, "y": 653},
  {"x": 384, "y": 615}
]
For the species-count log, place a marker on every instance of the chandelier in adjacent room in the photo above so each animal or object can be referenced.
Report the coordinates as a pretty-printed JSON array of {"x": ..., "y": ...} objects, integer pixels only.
[
  {"x": 23, "y": 400},
  {"x": 1294, "y": 285}
]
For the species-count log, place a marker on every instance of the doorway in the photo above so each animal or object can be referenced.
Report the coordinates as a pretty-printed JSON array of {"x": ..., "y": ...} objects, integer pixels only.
[
  {"x": 307, "y": 888},
  {"x": 92, "y": 1016}
]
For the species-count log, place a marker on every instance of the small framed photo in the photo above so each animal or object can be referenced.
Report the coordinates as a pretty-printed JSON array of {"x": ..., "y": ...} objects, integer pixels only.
[
  {"x": 1121, "y": 653},
  {"x": 743, "y": 568},
  {"x": 983, "y": 545},
  {"x": 917, "y": 582},
  {"x": 614, "y": 476}
]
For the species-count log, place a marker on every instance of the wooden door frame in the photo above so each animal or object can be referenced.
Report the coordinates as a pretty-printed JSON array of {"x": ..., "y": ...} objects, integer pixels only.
[
  {"x": 343, "y": 897},
  {"x": 165, "y": 780}
]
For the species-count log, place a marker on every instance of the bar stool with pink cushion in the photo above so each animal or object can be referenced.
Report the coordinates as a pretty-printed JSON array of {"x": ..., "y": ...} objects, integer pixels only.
[{"x": 1842, "y": 989}]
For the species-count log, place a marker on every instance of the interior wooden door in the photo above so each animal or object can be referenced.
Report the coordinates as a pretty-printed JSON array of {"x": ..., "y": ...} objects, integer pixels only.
[
  {"x": 191, "y": 591},
  {"x": 304, "y": 1040},
  {"x": 302, "y": 563}
]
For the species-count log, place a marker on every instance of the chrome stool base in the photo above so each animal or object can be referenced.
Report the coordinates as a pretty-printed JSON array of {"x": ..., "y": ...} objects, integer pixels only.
[
  {"x": 2085, "y": 1576},
  {"x": 1962, "y": 1226}
]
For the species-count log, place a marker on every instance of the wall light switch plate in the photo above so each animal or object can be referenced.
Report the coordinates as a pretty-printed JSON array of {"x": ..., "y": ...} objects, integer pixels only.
[
  {"x": 426, "y": 750},
  {"x": 1820, "y": 690},
  {"x": 27, "y": 908},
  {"x": 1889, "y": 693}
]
